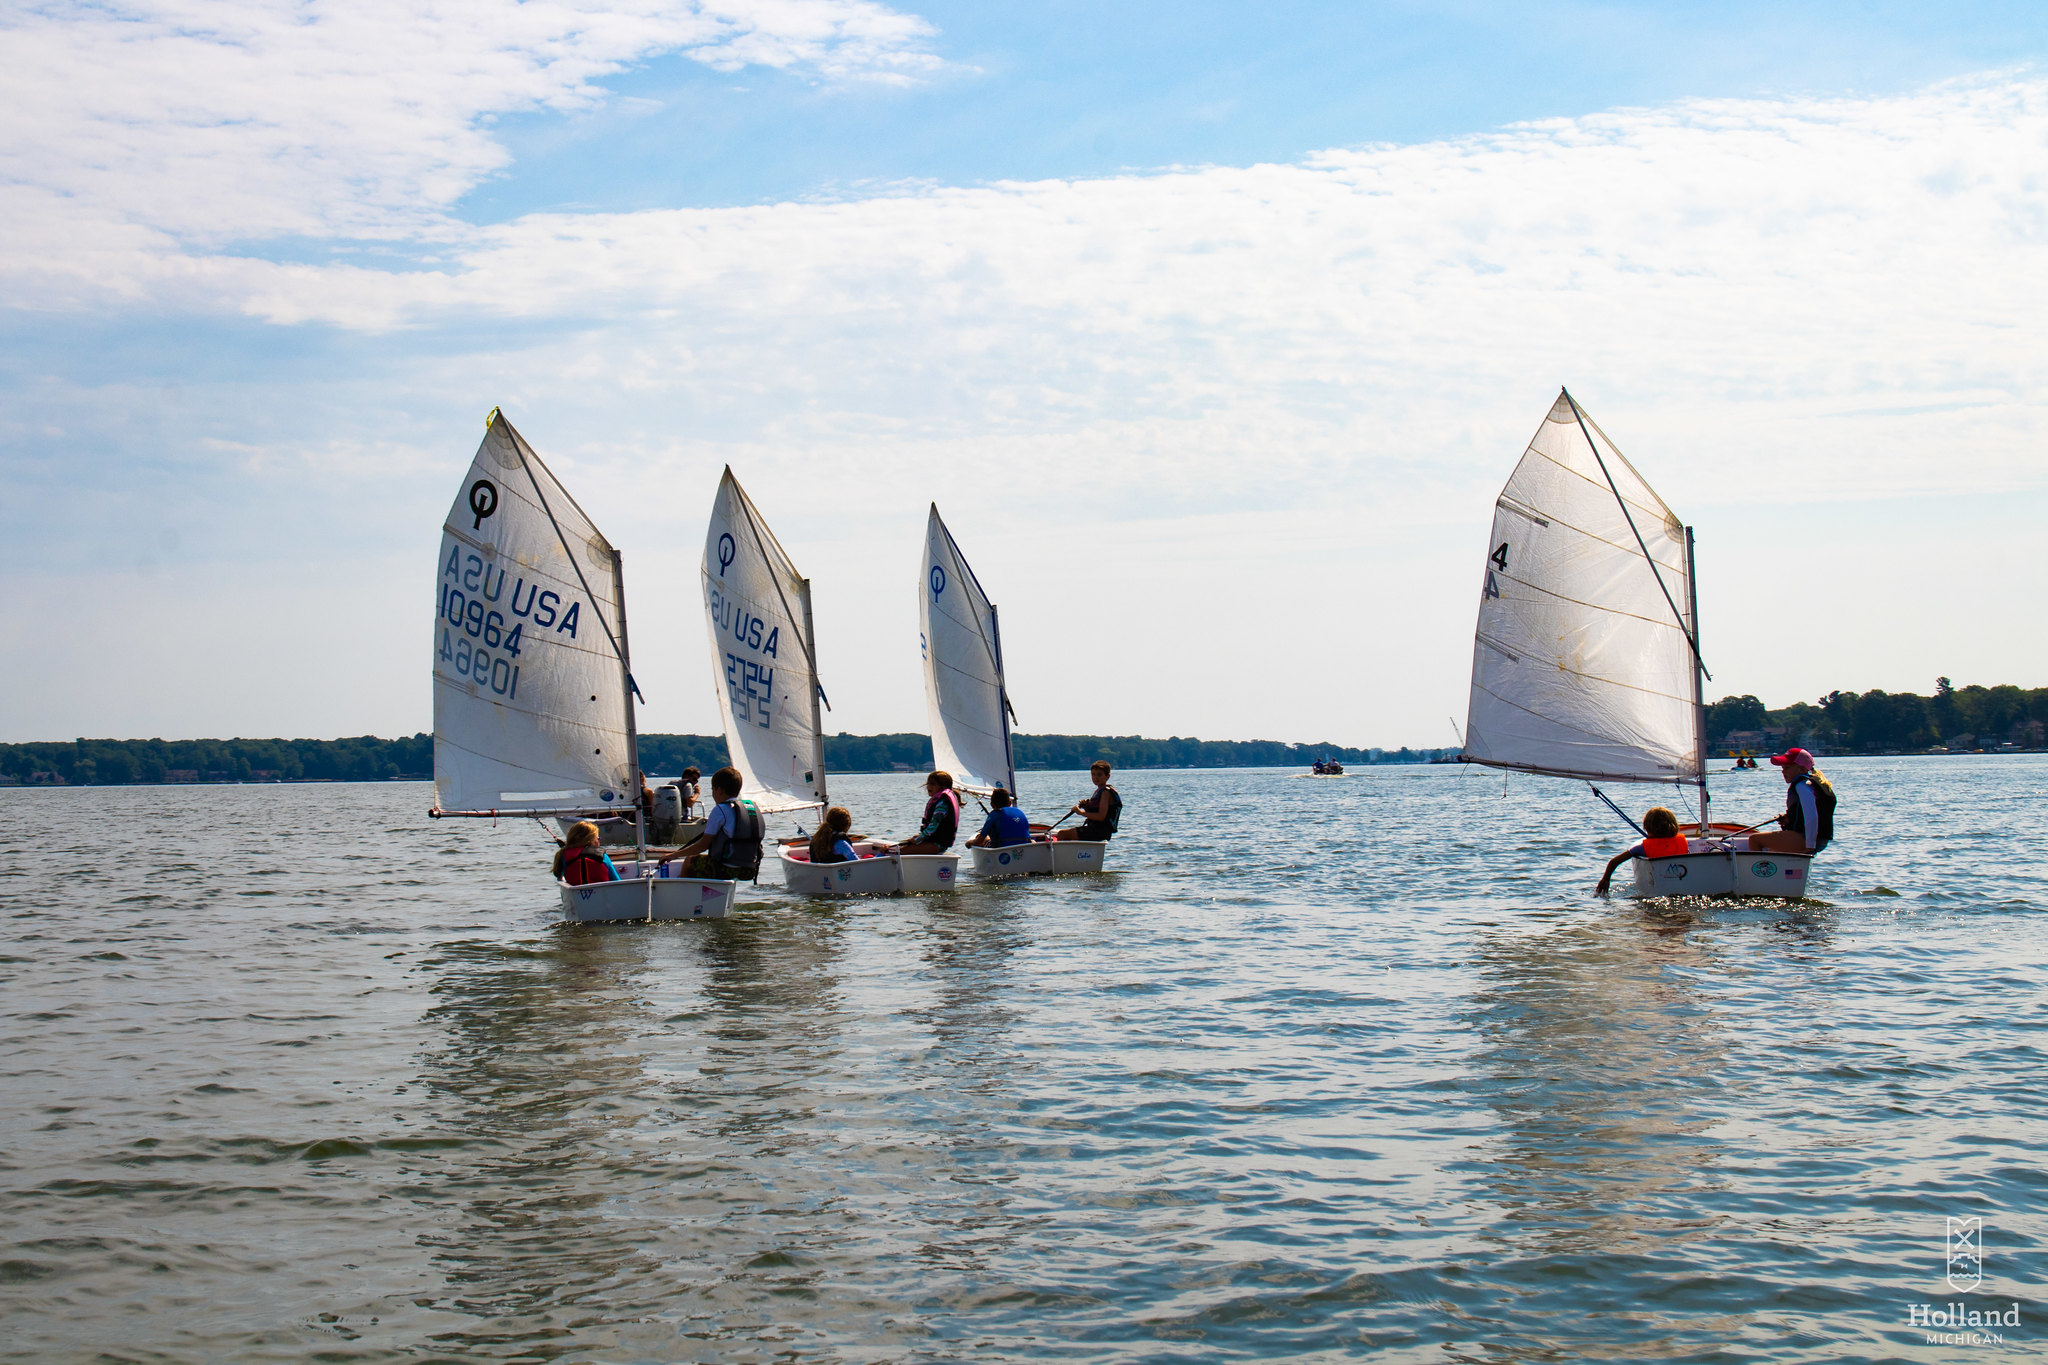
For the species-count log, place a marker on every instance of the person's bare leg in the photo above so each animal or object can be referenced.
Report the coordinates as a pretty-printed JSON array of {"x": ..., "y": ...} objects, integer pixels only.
[{"x": 1777, "y": 841}]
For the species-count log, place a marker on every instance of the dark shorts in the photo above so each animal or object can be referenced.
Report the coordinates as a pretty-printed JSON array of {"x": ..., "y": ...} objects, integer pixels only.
[
  {"x": 706, "y": 866},
  {"x": 1095, "y": 833}
]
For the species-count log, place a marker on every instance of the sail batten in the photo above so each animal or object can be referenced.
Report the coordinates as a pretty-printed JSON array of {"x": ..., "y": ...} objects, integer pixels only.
[
  {"x": 1583, "y": 661},
  {"x": 528, "y": 707},
  {"x": 966, "y": 699},
  {"x": 762, "y": 656}
]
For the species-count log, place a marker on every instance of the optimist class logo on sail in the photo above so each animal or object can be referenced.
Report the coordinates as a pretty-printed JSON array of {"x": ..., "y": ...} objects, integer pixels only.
[{"x": 478, "y": 640}]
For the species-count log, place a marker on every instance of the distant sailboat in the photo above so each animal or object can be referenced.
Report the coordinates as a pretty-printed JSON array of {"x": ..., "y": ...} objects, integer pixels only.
[
  {"x": 533, "y": 691},
  {"x": 1586, "y": 660}
]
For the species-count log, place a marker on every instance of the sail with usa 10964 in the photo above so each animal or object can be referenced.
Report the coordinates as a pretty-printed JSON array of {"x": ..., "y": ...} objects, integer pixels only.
[{"x": 533, "y": 686}]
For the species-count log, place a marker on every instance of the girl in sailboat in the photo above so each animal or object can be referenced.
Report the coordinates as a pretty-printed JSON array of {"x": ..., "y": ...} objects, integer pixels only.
[
  {"x": 830, "y": 844},
  {"x": 941, "y": 817},
  {"x": 579, "y": 861},
  {"x": 1661, "y": 839},
  {"x": 1808, "y": 823}
]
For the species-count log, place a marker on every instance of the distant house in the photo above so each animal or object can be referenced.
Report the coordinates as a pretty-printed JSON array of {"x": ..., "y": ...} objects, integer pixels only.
[
  {"x": 181, "y": 774},
  {"x": 45, "y": 779}
]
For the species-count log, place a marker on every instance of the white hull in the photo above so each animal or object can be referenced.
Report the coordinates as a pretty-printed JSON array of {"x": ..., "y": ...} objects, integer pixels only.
[
  {"x": 1018, "y": 860},
  {"x": 1053, "y": 859},
  {"x": 872, "y": 874},
  {"x": 1724, "y": 874},
  {"x": 1079, "y": 855},
  {"x": 658, "y": 897}
]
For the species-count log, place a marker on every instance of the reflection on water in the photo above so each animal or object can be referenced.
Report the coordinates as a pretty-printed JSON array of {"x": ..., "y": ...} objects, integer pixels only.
[
  {"x": 1327, "y": 1069},
  {"x": 1595, "y": 1048},
  {"x": 519, "y": 1231}
]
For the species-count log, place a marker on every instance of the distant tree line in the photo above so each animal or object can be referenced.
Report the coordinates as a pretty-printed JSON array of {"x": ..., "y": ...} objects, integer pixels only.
[
  {"x": 1969, "y": 717},
  {"x": 885, "y": 753},
  {"x": 366, "y": 758},
  {"x": 1954, "y": 717}
]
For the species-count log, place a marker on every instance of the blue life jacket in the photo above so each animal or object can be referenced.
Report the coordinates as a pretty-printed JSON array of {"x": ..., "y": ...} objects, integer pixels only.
[{"x": 1007, "y": 826}]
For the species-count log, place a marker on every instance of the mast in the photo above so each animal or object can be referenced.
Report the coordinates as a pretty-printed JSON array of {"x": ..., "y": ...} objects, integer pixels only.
[
  {"x": 632, "y": 728},
  {"x": 803, "y": 593},
  {"x": 995, "y": 631},
  {"x": 1699, "y": 701}
]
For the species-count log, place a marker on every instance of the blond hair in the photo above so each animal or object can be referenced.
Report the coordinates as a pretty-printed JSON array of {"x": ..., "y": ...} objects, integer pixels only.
[{"x": 582, "y": 834}]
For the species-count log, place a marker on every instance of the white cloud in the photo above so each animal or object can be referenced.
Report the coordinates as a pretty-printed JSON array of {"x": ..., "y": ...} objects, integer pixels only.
[
  {"x": 1772, "y": 280},
  {"x": 1266, "y": 406},
  {"x": 139, "y": 129}
]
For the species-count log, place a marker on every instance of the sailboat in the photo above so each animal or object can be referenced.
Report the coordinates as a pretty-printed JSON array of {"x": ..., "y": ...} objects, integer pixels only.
[
  {"x": 533, "y": 685},
  {"x": 967, "y": 699},
  {"x": 961, "y": 650},
  {"x": 764, "y": 666},
  {"x": 1586, "y": 662}
]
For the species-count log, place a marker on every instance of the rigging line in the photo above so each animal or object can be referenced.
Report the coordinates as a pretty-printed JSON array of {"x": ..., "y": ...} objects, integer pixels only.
[
  {"x": 1642, "y": 545},
  {"x": 1617, "y": 810},
  {"x": 747, "y": 507},
  {"x": 527, "y": 460}
]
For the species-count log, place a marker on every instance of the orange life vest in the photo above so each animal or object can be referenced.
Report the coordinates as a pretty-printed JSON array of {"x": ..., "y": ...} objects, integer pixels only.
[{"x": 1664, "y": 848}]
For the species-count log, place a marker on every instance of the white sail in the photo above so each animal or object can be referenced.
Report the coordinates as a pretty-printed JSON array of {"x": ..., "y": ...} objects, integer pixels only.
[
  {"x": 1584, "y": 662},
  {"x": 963, "y": 668},
  {"x": 529, "y": 691},
  {"x": 762, "y": 659}
]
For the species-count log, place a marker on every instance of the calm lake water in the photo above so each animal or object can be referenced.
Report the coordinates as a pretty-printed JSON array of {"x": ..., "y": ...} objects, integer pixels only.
[{"x": 1326, "y": 1069}]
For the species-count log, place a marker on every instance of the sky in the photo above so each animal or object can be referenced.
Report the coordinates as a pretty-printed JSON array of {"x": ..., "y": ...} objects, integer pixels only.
[{"x": 1213, "y": 330}]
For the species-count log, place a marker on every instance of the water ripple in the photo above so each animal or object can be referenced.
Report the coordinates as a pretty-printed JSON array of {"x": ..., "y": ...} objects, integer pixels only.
[{"x": 294, "y": 1073}]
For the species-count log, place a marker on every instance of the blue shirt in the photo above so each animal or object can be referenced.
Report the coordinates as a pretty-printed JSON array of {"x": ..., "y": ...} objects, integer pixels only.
[
  {"x": 843, "y": 851},
  {"x": 1006, "y": 826}
]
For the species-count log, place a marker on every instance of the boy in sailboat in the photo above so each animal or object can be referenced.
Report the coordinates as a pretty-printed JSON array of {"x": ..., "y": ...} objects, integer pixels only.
[
  {"x": 1101, "y": 810},
  {"x": 1661, "y": 839},
  {"x": 579, "y": 861},
  {"x": 941, "y": 817},
  {"x": 730, "y": 847},
  {"x": 1005, "y": 827}
]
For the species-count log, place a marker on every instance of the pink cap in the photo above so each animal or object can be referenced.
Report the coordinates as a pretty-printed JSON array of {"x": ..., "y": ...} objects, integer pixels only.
[{"x": 1798, "y": 758}]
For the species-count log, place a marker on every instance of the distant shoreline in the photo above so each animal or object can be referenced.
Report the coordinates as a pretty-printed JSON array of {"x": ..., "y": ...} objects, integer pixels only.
[
  {"x": 12, "y": 782},
  {"x": 367, "y": 758}
]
